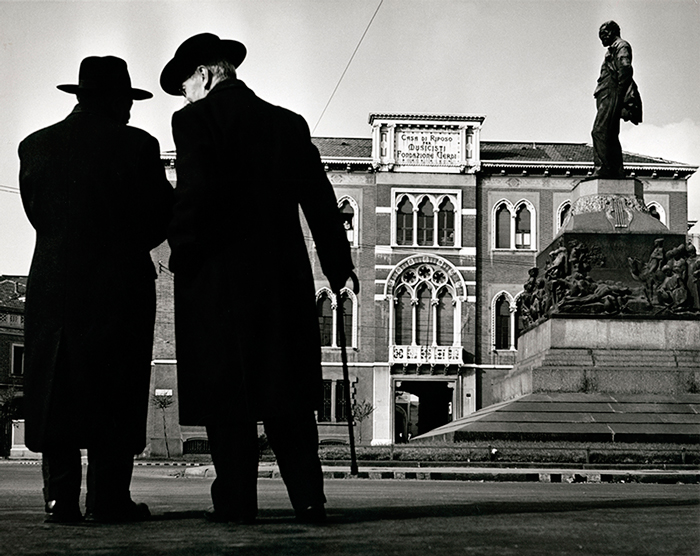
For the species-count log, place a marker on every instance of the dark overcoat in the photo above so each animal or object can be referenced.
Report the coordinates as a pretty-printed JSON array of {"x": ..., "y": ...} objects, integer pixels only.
[
  {"x": 245, "y": 316},
  {"x": 96, "y": 193}
]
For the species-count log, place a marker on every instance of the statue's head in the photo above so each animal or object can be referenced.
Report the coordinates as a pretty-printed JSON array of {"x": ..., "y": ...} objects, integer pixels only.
[{"x": 609, "y": 31}]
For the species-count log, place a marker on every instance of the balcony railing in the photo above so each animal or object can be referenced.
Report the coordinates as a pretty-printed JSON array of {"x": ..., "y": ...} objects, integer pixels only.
[
  {"x": 426, "y": 355},
  {"x": 12, "y": 320}
]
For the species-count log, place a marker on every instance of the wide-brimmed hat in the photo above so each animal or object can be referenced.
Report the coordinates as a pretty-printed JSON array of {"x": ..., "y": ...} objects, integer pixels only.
[
  {"x": 199, "y": 50},
  {"x": 106, "y": 75}
]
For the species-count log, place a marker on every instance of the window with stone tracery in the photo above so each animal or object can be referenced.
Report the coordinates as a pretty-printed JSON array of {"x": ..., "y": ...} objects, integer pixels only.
[
  {"x": 427, "y": 219},
  {"x": 506, "y": 322},
  {"x": 424, "y": 307},
  {"x": 328, "y": 313},
  {"x": 513, "y": 226}
]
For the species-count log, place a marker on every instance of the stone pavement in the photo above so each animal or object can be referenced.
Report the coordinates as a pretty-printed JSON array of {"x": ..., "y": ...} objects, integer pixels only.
[{"x": 369, "y": 517}]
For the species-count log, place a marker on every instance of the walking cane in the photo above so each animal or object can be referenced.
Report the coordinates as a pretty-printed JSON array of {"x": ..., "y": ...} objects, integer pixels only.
[{"x": 346, "y": 373}]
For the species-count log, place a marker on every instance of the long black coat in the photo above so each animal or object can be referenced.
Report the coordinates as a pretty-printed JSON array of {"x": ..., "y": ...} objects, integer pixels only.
[
  {"x": 245, "y": 317},
  {"x": 96, "y": 193}
]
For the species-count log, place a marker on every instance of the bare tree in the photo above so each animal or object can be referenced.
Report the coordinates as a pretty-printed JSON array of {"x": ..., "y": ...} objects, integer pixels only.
[{"x": 360, "y": 412}]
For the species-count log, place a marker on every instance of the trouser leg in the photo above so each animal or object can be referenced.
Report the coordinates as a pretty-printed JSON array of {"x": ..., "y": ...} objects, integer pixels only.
[
  {"x": 607, "y": 151},
  {"x": 62, "y": 471},
  {"x": 108, "y": 480},
  {"x": 295, "y": 443},
  {"x": 233, "y": 443}
]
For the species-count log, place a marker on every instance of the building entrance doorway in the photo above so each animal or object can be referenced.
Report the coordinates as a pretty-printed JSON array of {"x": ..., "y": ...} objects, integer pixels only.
[{"x": 421, "y": 406}]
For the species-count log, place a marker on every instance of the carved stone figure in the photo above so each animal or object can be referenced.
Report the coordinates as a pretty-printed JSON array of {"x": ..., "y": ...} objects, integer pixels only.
[{"x": 668, "y": 284}]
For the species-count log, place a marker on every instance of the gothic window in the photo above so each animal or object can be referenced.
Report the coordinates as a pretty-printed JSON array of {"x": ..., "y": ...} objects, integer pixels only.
[
  {"x": 423, "y": 316},
  {"x": 404, "y": 223},
  {"x": 514, "y": 225},
  {"x": 446, "y": 223},
  {"x": 347, "y": 304},
  {"x": 522, "y": 228},
  {"x": 564, "y": 211},
  {"x": 347, "y": 213},
  {"x": 403, "y": 318},
  {"x": 426, "y": 222},
  {"x": 424, "y": 307},
  {"x": 657, "y": 211},
  {"x": 445, "y": 318},
  {"x": 328, "y": 311},
  {"x": 426, "y": 219},
  {"x": 502, "y": 227},
  {"x": 519, "y": 326},
  {"x": 325, "y": 319},
  {"x": 502, "y": 331}
]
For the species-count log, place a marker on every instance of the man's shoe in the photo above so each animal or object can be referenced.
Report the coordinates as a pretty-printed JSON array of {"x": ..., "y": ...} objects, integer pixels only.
[
  {"x": 312, "y": 514},
  {"x": 61, "y": 513},
  {"x": 214, "y": 516},
  {"x": 131, "y": 513}
]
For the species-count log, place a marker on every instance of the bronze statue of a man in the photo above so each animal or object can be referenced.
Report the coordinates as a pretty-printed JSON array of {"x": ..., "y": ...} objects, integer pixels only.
[{"x": 617, "y": 97}]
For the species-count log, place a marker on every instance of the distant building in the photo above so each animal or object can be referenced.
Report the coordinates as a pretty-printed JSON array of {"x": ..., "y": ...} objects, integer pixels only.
[
  {"x": 443, "y": 228},
  {"x": 12, "y": 292}
]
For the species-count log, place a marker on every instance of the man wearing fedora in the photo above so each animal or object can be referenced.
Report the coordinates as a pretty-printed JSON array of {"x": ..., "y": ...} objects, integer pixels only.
[
  {"x": 248, "y": 345},
  {"x": 96, "y": 193}
]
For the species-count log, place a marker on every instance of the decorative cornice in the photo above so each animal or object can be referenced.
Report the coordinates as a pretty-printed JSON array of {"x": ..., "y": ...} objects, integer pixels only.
[{"x": 408, "y": 117}]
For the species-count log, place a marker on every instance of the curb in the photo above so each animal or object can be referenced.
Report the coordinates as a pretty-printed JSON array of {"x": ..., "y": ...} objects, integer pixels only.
[{"x": 510, "y": 475}]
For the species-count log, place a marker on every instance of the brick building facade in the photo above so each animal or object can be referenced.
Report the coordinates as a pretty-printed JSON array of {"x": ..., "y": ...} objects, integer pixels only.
[{"x": 443, "y": 229}]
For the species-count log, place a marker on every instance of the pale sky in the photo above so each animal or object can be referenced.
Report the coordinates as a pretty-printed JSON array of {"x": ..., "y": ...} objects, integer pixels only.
[{"x": 529, "y": 66}]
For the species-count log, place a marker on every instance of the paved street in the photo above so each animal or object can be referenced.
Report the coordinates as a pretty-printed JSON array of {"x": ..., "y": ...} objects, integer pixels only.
[{"x": 403, "y": 517}]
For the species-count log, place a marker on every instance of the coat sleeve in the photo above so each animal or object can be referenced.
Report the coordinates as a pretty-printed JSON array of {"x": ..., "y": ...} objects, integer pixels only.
[
  {"x": 156, "y": 194},
  {"x": 192, "y": 143},
  {"x": 320, "y": 208}
]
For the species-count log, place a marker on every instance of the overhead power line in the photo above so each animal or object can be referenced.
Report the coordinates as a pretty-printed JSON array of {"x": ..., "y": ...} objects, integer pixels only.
[{"x": 347, "y": 66}]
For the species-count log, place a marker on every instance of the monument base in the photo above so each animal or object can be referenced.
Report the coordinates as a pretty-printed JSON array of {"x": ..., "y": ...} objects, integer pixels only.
[
  {"x": 594, "y": 380},
  {"x": 611, "y": 349}
]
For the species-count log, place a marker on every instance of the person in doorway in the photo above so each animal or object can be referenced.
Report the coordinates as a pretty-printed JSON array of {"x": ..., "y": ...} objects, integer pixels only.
[
  {"x": 248, "y": 342},
  {"x": 617, "y": 97},
  {"x": 95, "y": 191}
]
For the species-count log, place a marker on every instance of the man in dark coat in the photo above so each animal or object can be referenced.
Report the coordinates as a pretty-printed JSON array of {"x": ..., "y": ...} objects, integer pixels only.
[
  {"x": 96, "y": 193},
  {"x": 617, "y": 97},
  {"x": 248, "y": 344}
]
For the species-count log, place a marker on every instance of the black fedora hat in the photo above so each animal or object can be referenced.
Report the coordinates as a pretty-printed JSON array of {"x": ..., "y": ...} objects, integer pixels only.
[
  {"x": 105, "y": 75},
  {"x": 201, "y": 49}
]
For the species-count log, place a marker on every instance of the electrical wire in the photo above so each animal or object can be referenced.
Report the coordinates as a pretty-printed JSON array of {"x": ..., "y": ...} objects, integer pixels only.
[{"x": 347, "y": 66}]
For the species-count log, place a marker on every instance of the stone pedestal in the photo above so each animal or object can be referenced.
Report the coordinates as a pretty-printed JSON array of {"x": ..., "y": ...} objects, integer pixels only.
[
  {"x": 611, "y": 356},
  {"x": 609, "y": 218}
]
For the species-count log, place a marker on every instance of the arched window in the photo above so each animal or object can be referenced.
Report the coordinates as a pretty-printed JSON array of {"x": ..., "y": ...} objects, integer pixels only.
[
  {"x": 503, "y": 322},
  {"x": 445, "y": 318},
  {"x": 564, "y": 211},
  {"x": 325, "y": 319},
  {"x": 347, "y": 304},
  {"x": 403, "y": 318},
  {"x": 657, "y": 211},
  {"x": 446, "y": 223},
  {"x": 426, "y": 222},
  {"x": 404, "y": 223},
  {"x": 502, "y": 227},
  {"x": 328, "y": 310},
  {"x": 347, "y": 213},
  {"x": 424, "y": 317},
  {"x": 522, "y": 228}
]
